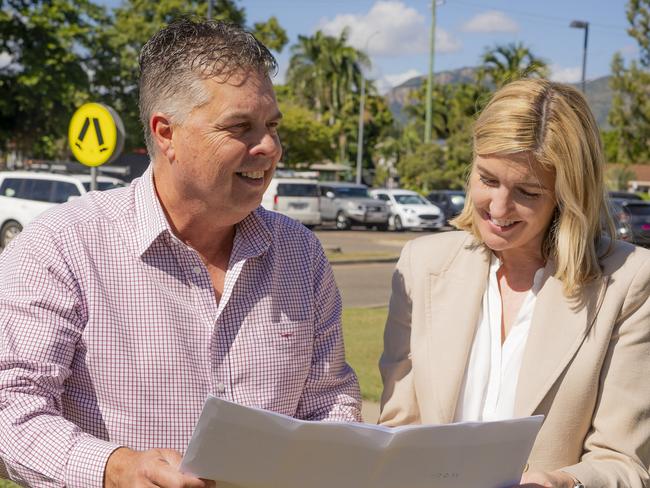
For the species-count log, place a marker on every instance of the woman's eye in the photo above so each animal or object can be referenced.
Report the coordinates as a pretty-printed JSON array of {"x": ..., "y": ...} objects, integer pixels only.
[
  {"x": 488, "y": 181},
  {"x": 527, "y": 194}
]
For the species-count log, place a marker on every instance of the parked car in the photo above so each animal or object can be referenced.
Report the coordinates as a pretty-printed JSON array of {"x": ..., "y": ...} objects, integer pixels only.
[
  {"x": 410, "y": 210},
  {"x": 624, "y": 195},
  {"x": 451, "y": 202},
  {"x": 26, "y": 194},
  {"x": 294, "y": 197},
  {"x": 348, "y": 204},
  {"x": 621, "y": 221},
  {"x": 636, "y": 217}
]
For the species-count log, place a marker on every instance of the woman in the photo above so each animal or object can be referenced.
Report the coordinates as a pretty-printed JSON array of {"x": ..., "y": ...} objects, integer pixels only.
[{"x": 531, "y": 308}]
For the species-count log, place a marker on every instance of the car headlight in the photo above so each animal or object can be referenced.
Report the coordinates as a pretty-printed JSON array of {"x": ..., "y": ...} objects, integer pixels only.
[{"x": 410, "y": 211}]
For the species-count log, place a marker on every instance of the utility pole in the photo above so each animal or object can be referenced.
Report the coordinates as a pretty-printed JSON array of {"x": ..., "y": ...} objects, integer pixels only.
[
  {"x": 210, "y": 2},
  {"x": 432, "y": 47}
]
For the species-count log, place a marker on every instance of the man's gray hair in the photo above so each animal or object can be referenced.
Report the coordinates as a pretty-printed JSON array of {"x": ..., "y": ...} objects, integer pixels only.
[{"x": 176, "y": 60}]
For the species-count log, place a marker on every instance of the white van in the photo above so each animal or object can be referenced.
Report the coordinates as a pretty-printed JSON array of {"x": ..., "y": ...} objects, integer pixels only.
[
  {"x": 26, "y": 194},
  {"x": 295, "y": 198}
]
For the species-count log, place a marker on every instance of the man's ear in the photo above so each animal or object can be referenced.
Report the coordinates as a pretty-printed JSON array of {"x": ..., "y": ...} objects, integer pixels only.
[{"x": 161, "y": 133}]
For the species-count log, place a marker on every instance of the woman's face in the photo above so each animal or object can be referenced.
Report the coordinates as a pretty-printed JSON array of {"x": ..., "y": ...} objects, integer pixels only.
[{"x": 514, "y": 201}]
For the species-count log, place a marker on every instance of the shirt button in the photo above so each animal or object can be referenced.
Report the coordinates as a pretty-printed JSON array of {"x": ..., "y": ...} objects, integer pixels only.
[
  {"x": 197, "y": 270},
  {"x": 221, "y": 388}
]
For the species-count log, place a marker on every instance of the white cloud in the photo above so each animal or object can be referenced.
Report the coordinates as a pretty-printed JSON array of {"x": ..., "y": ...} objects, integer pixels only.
[
  {"x": 491, "y": 22},
  {"x": 566, "y": 75},
  {"x": 400, "y": 78},
  {"x": 5, "y": 59},
  {"x": 389, "y": 28}
]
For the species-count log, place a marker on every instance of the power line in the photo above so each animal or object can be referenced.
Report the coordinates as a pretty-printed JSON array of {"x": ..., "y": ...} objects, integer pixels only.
[{"x": 534, "y": 15}]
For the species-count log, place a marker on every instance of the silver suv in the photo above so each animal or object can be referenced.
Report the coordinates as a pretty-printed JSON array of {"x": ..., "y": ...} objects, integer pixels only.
[{"x": 349, "y": 204}]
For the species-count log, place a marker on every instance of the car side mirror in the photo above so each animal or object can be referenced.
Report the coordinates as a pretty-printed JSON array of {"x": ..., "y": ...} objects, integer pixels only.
[{"x": 330, "y": 195}]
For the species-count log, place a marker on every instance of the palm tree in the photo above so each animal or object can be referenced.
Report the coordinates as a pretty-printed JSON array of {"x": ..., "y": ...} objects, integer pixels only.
[
  {"x": 325, "y": 73},
  {"x": 505, "y": 63}
]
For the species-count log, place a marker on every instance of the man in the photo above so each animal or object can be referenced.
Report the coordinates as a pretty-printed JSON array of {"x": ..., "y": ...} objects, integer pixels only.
[{"x": 121, "y": 311}]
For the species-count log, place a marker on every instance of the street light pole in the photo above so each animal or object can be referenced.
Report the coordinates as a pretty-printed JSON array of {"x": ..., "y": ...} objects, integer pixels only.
[
  {"x": 580, "y": 24},
  {"x": 360, "y": 133},
  {"x": 362, "y": 103},
  {"x": 432, "y": 46},
  {"x": 210, "y": 9}
]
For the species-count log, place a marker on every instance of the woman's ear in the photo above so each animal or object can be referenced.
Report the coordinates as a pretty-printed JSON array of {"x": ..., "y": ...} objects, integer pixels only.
[{"x": 161, "y": 132}]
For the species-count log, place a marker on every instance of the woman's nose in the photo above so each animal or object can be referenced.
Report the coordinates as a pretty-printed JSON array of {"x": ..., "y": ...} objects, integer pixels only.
[{"x": 501, "y": 203}]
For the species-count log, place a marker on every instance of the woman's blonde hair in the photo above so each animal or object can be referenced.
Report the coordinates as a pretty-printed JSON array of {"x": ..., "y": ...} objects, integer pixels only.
[{"x": 554, "y": 124}]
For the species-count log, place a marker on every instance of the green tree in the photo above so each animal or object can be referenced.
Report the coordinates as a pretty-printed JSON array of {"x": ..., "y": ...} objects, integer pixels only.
[
  {"x": 629, "y": 115},
  {"x": 46, "y": 76},
  {"x": 325, "y": 73},
  {"x": 428, "y": 168},
  {"x": 304, "y": 139},
  {"x": 505, "y": 63},
  {"x": 131, "y": 25}
]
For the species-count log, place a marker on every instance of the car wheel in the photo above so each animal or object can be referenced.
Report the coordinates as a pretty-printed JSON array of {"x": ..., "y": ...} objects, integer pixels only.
[
  {"x": 397, "y": 224},
  {"x": 9, "y": 231},
  {"x": 342, "y": 222}
]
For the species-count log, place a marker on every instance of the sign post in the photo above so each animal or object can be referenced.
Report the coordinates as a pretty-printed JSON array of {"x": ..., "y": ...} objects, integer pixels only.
[{"x": 96, "y": 136}]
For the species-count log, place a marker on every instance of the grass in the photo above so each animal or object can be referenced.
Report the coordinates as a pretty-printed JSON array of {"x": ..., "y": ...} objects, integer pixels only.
[{"x": 363, "y": 330}]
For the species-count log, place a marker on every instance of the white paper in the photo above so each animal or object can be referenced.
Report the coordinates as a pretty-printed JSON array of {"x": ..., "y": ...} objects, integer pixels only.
[{"x": 253, "y": 448}]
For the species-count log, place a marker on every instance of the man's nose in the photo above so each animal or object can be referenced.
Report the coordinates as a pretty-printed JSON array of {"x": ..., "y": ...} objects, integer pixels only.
[{"x": 267, "y": 144}]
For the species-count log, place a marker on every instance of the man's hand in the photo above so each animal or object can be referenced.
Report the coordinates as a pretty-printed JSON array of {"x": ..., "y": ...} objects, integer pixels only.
[
  {"x": 155, "y": 467},
  {"x": 556, "y": 479}
]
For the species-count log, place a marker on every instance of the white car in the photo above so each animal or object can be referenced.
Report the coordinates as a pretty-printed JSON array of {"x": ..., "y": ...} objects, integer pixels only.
[
  {"x": 297, "y": 198},
  {"x": 26, "y": 194},
  {"x": 410, "y": 210}
]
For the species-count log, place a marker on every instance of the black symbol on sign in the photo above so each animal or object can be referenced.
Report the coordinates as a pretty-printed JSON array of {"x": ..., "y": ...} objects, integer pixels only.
[{"x": 98, "y": 132}]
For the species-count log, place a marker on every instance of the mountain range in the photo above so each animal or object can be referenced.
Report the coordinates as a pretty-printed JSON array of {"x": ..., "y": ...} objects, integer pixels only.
[{"x": 599, "y": 93}]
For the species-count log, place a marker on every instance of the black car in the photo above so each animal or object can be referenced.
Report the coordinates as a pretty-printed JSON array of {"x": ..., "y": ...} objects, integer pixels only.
[
  {"x": 451, "y": 202},
  {"x": 625, "y": 195},
  {"x": 634, "y": 215}
]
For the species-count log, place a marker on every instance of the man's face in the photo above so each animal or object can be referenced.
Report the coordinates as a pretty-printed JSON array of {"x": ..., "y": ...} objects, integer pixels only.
[{"x": 225, "y": 152}]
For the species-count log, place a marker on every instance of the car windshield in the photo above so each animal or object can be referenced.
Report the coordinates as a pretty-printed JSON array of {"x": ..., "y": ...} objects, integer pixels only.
[
  {"x": 297, "y": 190},
  {"x": 351, "y": 192},
  {"x": 103, "y": 185},
  {"x": 410, "y": 200},
  {"x": 638, "y": 209}
]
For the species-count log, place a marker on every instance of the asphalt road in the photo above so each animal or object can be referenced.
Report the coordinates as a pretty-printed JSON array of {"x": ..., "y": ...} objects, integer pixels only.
[{"x": 365, "y": 285}]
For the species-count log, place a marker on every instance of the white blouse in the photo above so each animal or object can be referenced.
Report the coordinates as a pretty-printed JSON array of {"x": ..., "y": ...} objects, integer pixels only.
[{"x": 490, "y": 382}]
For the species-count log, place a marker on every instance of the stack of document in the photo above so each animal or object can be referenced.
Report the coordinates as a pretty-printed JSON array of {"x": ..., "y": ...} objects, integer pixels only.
[{"x": 253, "y": 448}]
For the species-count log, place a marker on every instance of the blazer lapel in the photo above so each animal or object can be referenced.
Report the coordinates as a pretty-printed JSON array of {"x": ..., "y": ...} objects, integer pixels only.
[
  {"x": 557, "y": 330},
  {"x": 454, "y": 299}
]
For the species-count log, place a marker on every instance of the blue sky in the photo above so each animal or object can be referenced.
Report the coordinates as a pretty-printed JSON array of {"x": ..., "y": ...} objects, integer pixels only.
[{"x": 395, "y": 33}]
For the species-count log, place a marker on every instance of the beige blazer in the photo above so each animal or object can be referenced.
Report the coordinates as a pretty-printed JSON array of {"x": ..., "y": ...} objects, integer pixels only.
[{"x": 586, "y": 365}]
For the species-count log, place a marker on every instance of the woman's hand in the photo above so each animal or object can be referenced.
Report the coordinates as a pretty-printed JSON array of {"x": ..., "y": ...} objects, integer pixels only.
[{"x": 556, "y": 479}]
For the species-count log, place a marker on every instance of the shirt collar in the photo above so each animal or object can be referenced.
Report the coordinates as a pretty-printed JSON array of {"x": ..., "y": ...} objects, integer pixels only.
[
  {"x": 252, "y": 235},
  {"x": 150, "y": 217}
]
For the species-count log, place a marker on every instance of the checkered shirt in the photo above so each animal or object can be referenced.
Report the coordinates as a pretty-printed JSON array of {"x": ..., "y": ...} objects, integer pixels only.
[{"x": 110, "y": 334}]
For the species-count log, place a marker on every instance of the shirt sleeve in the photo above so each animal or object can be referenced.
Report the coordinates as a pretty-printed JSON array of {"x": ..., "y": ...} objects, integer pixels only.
[
  {"x": 331, "y": 391},
  {"x": 41, "y": 322},
  {"x": 617, "y": 449}
]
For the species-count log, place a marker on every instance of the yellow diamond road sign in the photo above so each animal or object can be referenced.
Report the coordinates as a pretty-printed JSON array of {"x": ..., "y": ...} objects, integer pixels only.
[{"x": 95, "y": 134}]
